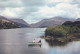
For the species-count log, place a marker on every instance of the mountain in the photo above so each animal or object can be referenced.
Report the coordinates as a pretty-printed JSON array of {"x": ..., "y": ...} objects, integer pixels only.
[
  {"x": 51, "y": 22},
  {"x": 43, "y": 23},
  {"x": 6, "y": 24},
  {"x": 20, "y": 22},
  {"x": 4, "y": 19},
  {"x": 78, "y": 19}
]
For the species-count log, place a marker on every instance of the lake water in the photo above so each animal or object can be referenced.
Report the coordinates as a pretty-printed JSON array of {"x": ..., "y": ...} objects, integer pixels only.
[{"x": 15, "y": 41}]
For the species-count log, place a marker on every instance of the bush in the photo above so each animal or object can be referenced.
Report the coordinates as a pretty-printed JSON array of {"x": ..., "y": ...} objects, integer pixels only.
[
  {"x": 61, "y": 31},
  {"x": 7, "y": 25},
  {"x": 72, "y": 24}
]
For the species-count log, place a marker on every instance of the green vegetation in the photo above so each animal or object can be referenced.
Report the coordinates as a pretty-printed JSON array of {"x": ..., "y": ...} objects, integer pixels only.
[
  {"x": 72, "y": 24},
  {"x": 7, "y": 25},
  {"x": 65, "y": 32}
]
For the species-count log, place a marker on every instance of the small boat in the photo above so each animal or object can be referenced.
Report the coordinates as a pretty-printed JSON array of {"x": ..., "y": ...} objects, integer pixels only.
[{"x": 34, "y": 43}]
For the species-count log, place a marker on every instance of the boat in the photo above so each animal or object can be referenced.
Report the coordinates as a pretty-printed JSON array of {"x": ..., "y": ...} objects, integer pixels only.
[{"x": 34, "y": 43}]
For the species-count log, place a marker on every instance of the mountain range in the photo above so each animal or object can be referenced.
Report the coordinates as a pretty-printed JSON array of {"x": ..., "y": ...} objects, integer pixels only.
[
  {"x": 51, "y": 22},
  {"x": 78, "y": 19},
  {"x": 43, "y": 23},
  {"x": 19, "y": 22}
]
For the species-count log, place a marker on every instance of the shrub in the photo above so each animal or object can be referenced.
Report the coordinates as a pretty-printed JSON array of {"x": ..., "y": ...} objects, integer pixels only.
[{"x": 61, "y": 31}]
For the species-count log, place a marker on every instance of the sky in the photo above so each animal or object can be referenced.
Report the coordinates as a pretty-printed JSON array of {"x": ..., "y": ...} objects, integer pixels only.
[{"x": 33, "y": 11}]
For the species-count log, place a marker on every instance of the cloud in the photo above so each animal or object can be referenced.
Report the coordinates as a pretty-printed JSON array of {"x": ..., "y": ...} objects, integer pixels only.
[
  {"x": 34, "y": 2},
  {"x": 10, "y": 3},
  {"x": 11, "y": 12},
  {"x": 62, "y": 9},
  {"x": 56, "y": 2},
  {"x": 64, "y": 1},
  {"x": 36, "y": 10}
]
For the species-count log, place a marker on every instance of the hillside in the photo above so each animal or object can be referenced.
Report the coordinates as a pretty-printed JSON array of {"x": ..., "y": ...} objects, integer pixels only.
[
  {"x": 68, "y": 31},
  {"x": 54, "y": 21},
  {"x": 78, "y": 19},
  {"x": 4, "y": 24},
  {"x": 51, "y": 22},
  {"x": 4, "y": 19},
  {"x": 19, "y": 22}
]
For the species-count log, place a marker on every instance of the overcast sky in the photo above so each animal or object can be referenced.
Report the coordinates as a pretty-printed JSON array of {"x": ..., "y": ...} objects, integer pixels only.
[{"x": 35, "y": 10}]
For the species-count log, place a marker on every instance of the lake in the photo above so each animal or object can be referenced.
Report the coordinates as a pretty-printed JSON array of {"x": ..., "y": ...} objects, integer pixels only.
[{"x": 15, "y": 41}]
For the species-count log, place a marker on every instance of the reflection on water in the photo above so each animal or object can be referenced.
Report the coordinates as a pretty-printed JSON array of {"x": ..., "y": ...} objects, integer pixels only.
[
  {"x": 34, "y": 46},
  {"x": 14, "y": 41},
  {"x": 56, "y": 43}
]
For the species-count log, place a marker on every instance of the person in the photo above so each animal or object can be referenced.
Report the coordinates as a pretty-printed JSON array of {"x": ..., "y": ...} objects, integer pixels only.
[
  {"x": 39, "y": 41},
  {"x": 34, "y": 41}
]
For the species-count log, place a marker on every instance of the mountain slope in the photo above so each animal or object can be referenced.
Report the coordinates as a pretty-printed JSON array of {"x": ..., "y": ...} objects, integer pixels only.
[
  {"x": 78, "y": 19},
  {"x": 20, "y": 22},
  {"x": 51, "y": 22},
  {"x": 4, "y": 19},
  {"x": 6, "y": 24},
  {"x": 15, "y": 21}
]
